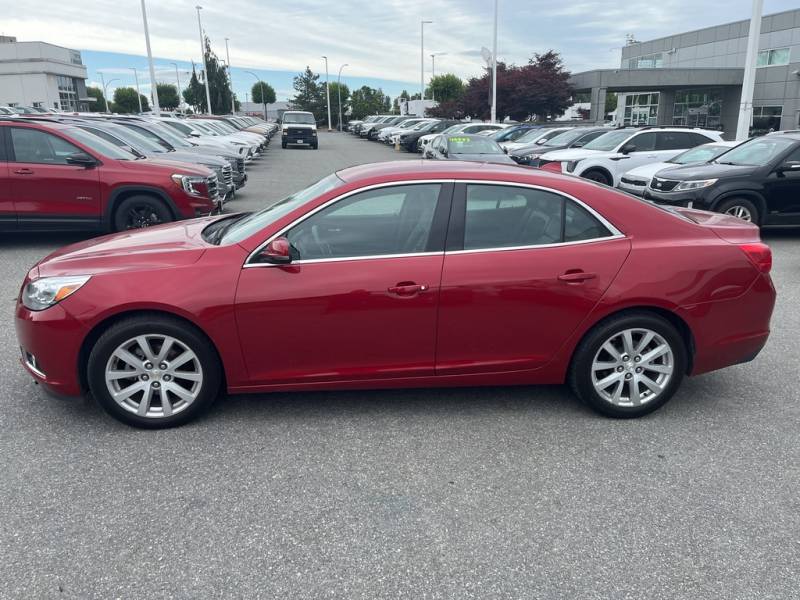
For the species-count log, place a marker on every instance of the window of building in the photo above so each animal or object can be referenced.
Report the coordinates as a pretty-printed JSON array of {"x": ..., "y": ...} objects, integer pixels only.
[
  {"x": 766, "y": 119},
  {"x": 641, "y": 109},
  {"x": 773, "y": 58},
  {"x": 648, "y": 61},
  {"x": 698, "y": 108},
  {"x": 67, "y": 92}
]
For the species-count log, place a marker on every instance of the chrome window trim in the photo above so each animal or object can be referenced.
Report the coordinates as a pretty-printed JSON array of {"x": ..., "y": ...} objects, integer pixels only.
[{"x": 615, "y": 233}]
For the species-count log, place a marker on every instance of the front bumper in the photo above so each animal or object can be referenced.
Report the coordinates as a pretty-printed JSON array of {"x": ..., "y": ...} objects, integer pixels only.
[
  {"x": 687, "y": 199},
  {"x": 636, "y": 190}
]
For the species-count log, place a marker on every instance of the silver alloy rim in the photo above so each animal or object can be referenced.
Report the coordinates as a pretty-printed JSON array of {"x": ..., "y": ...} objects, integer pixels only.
[
  {"x": 740, "y": 212},
  {"x": 154, "y": 376},
  {"x": 633, "y": 367}
]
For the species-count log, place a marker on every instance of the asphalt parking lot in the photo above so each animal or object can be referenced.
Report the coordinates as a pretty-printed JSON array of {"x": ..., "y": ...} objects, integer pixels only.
[{"x": 469, "y": 493}]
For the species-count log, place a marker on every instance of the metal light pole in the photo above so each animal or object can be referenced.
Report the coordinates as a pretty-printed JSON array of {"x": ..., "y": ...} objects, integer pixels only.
[
  {"x": 328, "y": 91},
  {"x": 433, "y": 70},
  {"x": 105, "y": 90},
  {"x": 339, "y": 90},
  {"x": 422, "y": 58},
  {"x": 494, "y": 67},
  {"x": 748, "y": 83},
  {"x": 230, "y": 77},
  {"x": 154, "y": 85},
  {"x": 263, "y": 99},
  {"x": 138, "y": 94},
  {"x": 178, "y": 80},
  {"x": 203, "y": 54}
]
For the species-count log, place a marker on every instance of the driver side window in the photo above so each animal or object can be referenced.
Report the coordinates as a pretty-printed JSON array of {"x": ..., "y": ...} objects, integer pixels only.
[
  {"x": 34, "y": 146},
  {"x": 384, "y": 221}
]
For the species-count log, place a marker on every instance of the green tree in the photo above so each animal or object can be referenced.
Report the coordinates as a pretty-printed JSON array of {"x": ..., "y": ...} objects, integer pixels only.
[
  {"x": 168, "y": 96},
  {"x": 445, "y": 88},
  {"x": 195, "y": 93},
  {"x": 269, "y": 93},
  {"x": 310, "y": 94},
  {"x": 367, "y": 101},
  {"x": 335, "y": 88},
  {"x": 218, "y": 86},
  {"x": 125, "y": 101},
  {"x": 99, "y": 105}
]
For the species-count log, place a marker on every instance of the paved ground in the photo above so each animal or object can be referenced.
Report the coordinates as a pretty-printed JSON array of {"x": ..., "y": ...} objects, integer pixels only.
[{"x": 480, "y": 493}]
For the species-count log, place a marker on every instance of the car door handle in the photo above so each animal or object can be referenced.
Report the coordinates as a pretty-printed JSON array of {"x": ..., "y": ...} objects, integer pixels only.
[
  {"x": 576, "y": 276},
  {"x": 407, "y": 288},
  {"x": 23, "y": 171}
]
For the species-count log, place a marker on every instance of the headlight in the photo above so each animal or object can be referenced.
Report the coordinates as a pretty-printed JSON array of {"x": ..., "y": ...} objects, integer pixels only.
[
  {"x": 47, "y": 291},
  {"x": 534, "y": 155},
  {"x": 285, "y": 130},
  {"x": 694, "y": 185},
  {"x": 194, "y": 185},
  {"x": 571, "y": 164}
]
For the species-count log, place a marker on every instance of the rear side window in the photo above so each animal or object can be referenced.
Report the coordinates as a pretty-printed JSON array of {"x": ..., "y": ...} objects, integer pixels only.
[
  {"x": 644, "y": 142},
  {"x": 34, "y": 146},
  {"x": 507, "y": 217},
  {"x": 680, "y": 140}
]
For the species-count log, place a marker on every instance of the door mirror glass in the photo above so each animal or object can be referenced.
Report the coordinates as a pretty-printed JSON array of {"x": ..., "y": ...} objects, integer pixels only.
[
  {"x": 277, "y": 252},
  {"x": 81, "y": 159},
  {"x": 628, "y": 148}
]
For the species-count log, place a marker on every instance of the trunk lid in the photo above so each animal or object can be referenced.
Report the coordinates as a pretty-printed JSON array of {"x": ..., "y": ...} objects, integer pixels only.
[{"x": 726, "y": 227}]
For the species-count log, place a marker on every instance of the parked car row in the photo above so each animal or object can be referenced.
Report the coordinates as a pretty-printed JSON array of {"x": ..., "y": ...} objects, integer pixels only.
[{"x": 113, "y": 172}]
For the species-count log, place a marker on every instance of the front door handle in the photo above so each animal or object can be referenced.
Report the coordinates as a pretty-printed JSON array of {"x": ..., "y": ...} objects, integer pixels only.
[
  {"x": 23, "y": 171},
  {"x": 576, "y": 276},
  {"x": 407, "y": 288}
]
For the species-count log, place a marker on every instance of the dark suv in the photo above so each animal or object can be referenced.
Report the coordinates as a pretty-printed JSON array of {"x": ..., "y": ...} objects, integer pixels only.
[
  {"x": 758, "y": 181},
  {"x": 55, "y": 176}
]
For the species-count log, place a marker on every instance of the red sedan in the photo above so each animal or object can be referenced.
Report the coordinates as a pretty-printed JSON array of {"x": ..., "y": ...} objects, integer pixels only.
[{"x": 412, "y": 274}]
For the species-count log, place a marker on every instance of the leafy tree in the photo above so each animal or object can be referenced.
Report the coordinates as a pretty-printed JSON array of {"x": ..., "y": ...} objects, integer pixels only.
[
  {"x": 445, "y": 88},
  {"x": 269, "y": 93},
  {"x": 99, "y": 105},
  {"x": 195, "y": 93},
  {"x": 310, "y": 94},
  {"x": 367, "y": 101},
  {"x": 168, "y": 96},
  {"x": 125, "y": 100},
  {"x": 218, "y": 86},
  {"x": 335, "y": 87}
]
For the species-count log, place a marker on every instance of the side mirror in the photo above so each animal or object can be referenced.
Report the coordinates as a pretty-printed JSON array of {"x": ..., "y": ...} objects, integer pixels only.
[
  {"x": 444, "y": 152},
  {"x": 194, "y": 133},
  {"x": 81, "y": 159},
  {"x": 578, "y": 144},
  {"x": 628, "y": 148},
  {"x": 505, "y": 149},
  {"x": 277, "y": 252},
  {"x": 541, "y": 141},
  {"x": 789, "y": 165}
]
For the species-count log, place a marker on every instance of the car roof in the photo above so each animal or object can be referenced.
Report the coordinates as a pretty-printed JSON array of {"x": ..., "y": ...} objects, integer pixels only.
[{"x": 436, "y": 169}]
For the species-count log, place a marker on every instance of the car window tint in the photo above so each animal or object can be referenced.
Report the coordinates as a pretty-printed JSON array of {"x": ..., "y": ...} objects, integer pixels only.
[
  {"x": 697, "y": 139},
  {"x": 391, "y": 220},
  {"x": 580, "y": 224},
  {"x": 505, "y": 216},
  {"x": 794, "y": 156},
  {"x": 33, "y": 146},
  {"x": 644, "y": 142}
]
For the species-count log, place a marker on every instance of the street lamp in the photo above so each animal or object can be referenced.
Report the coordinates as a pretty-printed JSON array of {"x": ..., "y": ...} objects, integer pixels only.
[
  {"x": 230, "y": 78},
  {"x": 494, "y": 67},
  {"x": 105, "y": 91},
  {"x": 433, "y": 71},
  {"x": 339, "y": 90},
  {"x": 178, "y": 81},
  {"x": 328, "y": 91},
  {"x": 263, "y": 98},
  {"x": 154, "y": 84},
  {"x": 203, "y": 54},
  {"x": 138, "y": 94},
  {"x": 422, "y": 58}
]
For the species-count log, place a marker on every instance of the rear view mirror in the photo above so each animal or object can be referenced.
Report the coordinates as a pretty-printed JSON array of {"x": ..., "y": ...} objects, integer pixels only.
[
  {"x": 277, "y": 252},
  {"x": 628, "y": 148},
  {"x": 81, "y": 159}
]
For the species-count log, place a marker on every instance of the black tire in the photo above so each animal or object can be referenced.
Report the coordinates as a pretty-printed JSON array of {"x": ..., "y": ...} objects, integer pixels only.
[
  {"x": 580, "y": 375},
  {"x": 283, "y": 144},
  {"x": 315, "y": 145},
  {"x": 137, "y": 212},
  {"x": 741, "y": 208},
  {"x": 598, "y": 176},
  {"x": 186, "y": 334}
]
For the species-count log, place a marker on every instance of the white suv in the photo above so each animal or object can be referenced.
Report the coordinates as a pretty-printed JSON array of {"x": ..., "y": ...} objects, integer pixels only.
[{"x": 607, "y": 157}]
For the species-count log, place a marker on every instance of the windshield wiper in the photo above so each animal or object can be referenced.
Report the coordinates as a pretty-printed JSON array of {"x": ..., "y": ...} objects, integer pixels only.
[
  {"x": 720, "y": 162},
  {"x": 216, "y": 236}
]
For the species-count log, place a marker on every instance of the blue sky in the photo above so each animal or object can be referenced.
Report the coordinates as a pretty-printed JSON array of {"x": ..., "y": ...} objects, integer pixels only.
[{"x": 379, "y": 40}]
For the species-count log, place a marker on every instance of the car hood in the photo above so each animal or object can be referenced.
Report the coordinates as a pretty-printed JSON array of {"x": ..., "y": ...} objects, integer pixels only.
[
  {"x": 534, "y": 149},
  {"x": 163, "y": 165},
  {"x": 575, "y": 154},
  {"x": 163, "y": 246},
  {"x": 195, "y": 158},
  {"x": 707, "y": 171},
  {"x": 647, "y": 171},
  {"x": 490, "y": 158}
]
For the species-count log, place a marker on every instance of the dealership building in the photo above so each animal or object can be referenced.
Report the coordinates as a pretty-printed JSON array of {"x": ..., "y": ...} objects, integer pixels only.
[
  {"x": 42, "y": 75},
  {"x": 695, "y": 78}
]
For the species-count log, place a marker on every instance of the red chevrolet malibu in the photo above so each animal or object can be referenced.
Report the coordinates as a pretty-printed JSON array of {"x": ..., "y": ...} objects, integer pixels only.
[{"x": 402, "y": 275}]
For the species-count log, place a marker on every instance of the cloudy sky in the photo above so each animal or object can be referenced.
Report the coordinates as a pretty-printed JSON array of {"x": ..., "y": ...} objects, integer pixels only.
[{"x": 378, "y": 39}]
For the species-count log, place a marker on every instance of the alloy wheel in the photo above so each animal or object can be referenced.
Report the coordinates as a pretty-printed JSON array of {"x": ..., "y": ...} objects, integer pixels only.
[
  {"x": 154, "y": 376},
  {"x": 740, "y": 212},
  {"x": 142, "y": 215},
  {"x": 632, "y": 367}
]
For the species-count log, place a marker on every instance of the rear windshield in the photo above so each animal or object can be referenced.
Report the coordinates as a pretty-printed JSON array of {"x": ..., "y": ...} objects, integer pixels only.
[{"x": 472, "y": 145}]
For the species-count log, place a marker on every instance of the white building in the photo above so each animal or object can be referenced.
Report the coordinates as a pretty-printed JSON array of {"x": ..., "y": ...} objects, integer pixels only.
[{"x": 42, "y": 75}]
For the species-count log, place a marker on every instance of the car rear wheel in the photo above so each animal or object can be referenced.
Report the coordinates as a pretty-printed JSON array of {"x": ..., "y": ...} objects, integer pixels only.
[
  {"x": 741, "y": 209},
  {"x": 138, "y": 212},
  {"x": 597, "y": 176},
  {"x": 629, "y": 366},
  {"x": 153, "y": 372}
]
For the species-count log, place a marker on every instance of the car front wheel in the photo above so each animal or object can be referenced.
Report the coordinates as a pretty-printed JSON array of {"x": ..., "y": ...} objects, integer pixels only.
[
  {"x": 138, "y": 212},
  {"x": 629, "y": 366},
  {"x": 741, "y": 209},
  {"x": 597, "y": 176},
  {"x": 153, "y": 372}
]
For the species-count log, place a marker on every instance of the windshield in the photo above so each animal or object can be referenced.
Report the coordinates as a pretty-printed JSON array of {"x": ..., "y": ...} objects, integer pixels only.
[
  {"x": 700, "y": 154},
  {"x": 565, "y": 138},
  {"x": 530, "y": 136},
  {"x": 757, "y": 152},
  {"x": 254, "y": 222},
  {"x": 472, "y": 145},
  {"x": 609, "y": 141},
  {"x": 99, "y": 145},
  {"x": 136, "y": 140},
  {"x": 169, "y": 135},
  {"x": 302, "y": 118},
  {"x": 510, "y": 134}
]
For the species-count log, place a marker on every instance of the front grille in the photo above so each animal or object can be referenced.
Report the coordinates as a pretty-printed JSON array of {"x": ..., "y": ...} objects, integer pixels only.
[
  {"x": 663, "y": 185},
  {"x": 240, "y": 165},
  {"x": 213, "y": 188},
  {"x": 227, "y": 175},
  {"x": 636, "y": 182},
  {"x": 299, "y": 133}
]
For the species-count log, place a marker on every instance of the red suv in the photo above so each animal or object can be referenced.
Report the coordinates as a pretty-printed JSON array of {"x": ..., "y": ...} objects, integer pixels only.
[{"x": 55, "y": 176}]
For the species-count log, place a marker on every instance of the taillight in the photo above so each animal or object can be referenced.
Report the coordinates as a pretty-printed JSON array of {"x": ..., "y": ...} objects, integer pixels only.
[
  {"x": 555, "y": 167},
  {"x": 759, "y": 254}
]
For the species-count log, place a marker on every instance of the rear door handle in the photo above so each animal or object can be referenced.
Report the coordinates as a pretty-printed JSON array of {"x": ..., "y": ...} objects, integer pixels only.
[
  {"x": 23, "y": 171},
  {"x": 576, "y": 277},
  {"x": 407, "y": 288}
]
